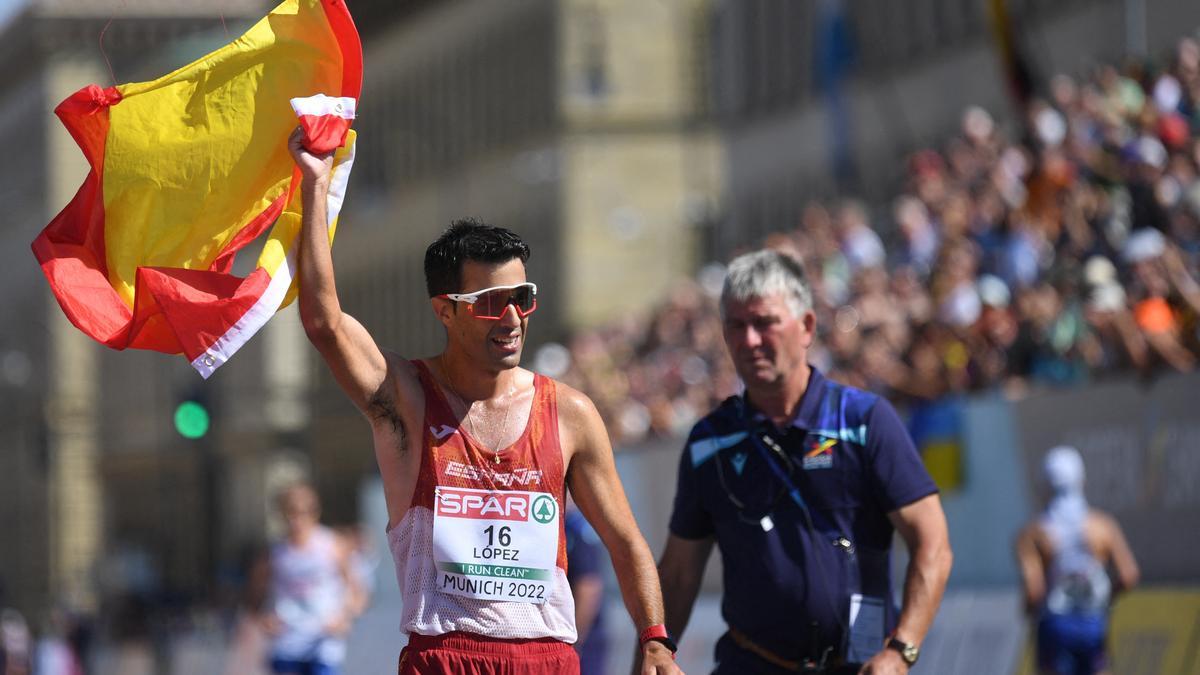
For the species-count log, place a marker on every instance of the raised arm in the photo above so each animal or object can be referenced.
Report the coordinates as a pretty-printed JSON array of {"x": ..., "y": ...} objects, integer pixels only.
[
  {"x": 1181, "y": 279},
  {"x": 594, "y": 483},
  {"x": 356, "y": 361},
  {"x": 1132, "y": 340}
]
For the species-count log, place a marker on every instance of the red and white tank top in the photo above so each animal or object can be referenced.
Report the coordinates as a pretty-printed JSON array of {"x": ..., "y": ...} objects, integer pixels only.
[{"x": 482, "y": 547}]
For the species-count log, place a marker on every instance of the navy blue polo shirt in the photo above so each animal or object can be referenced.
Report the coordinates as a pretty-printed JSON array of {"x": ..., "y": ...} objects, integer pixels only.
[{"x": 788, "y": 584}]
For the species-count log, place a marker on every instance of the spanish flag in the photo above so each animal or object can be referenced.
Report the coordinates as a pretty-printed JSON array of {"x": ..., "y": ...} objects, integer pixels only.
[{"x": 189, "y": 169}]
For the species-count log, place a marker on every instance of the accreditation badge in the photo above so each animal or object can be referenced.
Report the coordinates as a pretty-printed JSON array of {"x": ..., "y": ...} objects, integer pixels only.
[
  {"x": 495, "y": 545},
  {"x": 866, "y": 628}
]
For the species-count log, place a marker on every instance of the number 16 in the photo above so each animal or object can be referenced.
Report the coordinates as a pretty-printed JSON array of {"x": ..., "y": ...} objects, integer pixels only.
[{"x": 505, "y": 536}]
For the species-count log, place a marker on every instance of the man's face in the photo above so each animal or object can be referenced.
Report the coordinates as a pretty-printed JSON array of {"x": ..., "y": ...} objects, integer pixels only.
[
  {"x": 766, "y": 340},
  {"x": 494, "y": 344}
]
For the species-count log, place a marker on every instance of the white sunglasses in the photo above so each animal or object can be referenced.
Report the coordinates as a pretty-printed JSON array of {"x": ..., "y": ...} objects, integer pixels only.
[{"x": 491, "y": 303}]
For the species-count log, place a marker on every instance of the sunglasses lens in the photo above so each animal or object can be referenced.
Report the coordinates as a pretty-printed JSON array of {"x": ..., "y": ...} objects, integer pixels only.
[
  {"x": 524, "y": 298},
  {"x": 491, "y": 305}
]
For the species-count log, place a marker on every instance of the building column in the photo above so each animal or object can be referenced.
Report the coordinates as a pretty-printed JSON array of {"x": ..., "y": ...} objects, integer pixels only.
[{"x": 75, "y": 491}]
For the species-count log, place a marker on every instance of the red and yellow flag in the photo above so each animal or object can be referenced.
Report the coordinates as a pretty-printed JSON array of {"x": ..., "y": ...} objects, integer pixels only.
[{"x": 189, "y": 169}]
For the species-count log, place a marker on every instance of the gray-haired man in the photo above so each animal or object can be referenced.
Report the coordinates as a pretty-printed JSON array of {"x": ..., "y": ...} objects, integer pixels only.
[{"x": 801, "y": 482}]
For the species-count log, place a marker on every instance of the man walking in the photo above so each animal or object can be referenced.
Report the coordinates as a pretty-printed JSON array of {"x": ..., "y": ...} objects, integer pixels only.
[
  {"x": 1064, "y": 555},
  {"x": 476, "y": 455},
  {"x": 800, "y": 483},
  {"x": 313, "y": 596}
]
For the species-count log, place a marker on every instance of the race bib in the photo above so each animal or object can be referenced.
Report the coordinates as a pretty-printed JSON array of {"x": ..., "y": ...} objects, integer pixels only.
[{"x": 495, "y": 545}]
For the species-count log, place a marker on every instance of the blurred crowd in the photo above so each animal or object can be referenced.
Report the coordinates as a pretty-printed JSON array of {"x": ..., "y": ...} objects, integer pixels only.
[{"x": 1060, "y": 254}]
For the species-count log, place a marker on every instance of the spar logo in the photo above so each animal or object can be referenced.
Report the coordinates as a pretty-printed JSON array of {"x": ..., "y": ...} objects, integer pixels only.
[
  {"x": 482, "y": 504},
  {"x": 544, "y": 509}
]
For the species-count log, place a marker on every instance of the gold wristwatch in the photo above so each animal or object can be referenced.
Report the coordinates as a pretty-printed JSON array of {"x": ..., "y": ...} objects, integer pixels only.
[{"x": 908, "y": 651}]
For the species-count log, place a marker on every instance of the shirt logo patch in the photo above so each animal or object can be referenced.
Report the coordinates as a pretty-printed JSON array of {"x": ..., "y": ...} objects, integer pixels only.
[
  {"x": 819, "y": 455},
  {"x": 739, "y": 462},
  {"x": 439, "y": 434}
]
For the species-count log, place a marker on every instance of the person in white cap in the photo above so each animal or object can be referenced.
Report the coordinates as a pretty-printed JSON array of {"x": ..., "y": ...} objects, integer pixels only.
[{"x": 1064, "y": 556}]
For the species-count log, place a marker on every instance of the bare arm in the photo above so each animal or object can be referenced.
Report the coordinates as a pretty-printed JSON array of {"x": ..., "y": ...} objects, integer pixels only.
[
  {"x": 922, "y": 525},
  {"x": 355, "y": 595},
  {"x": 594, "y": 483},
  {"x": 1183, "y": 281},
  {"x": 1122, "y": 558},
  {"x": 1033, "y": 572},
  {"x": 356, "y": 361},
  {"x": 681, "y": 570},
  {"x": 258, "y": 595},
  {"x": 354, "y": 599},
  {"x": 1168, "y": 346},
  {"x": 1131, "y": 338},
  {"x": 258, "y": 585}
]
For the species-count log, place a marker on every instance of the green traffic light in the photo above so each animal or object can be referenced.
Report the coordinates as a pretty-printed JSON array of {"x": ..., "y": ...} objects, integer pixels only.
[{"x": 191, "y": 420}]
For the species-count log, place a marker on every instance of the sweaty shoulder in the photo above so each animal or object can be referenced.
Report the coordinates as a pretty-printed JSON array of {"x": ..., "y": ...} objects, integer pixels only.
[
  {"x": 579, "y": 422},
  {"x": 574, "y": 406}
]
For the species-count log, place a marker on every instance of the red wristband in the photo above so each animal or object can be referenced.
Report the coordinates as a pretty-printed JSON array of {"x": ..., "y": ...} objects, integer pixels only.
[{"x": 658, "y": 633}]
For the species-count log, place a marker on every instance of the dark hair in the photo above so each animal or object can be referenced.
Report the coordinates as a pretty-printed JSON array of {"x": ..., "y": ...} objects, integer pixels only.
[{"x": 468, "y": 239}]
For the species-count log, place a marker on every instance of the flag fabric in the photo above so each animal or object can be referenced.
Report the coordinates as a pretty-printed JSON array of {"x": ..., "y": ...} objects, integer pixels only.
[
  {"x": 190, "y": 168},
  {"x": 325, "y": 121}
]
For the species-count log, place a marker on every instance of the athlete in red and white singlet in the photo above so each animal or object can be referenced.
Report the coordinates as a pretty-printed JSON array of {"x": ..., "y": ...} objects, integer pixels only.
[
  {"x": 509, "y": 578},
  {"x": 476, "y": 455}
]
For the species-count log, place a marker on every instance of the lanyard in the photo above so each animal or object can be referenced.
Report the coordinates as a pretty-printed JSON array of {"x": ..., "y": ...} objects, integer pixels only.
[
  {"x": 759, "y": 439},
  {"x": 852, "y": 580},
  {"x": 793, "y": 491}
]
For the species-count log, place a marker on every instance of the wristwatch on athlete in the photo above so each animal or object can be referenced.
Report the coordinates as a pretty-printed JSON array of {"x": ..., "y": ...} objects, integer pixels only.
[
  {"x": 908, "y": 651},
  {"x": 658, "y": 633}
]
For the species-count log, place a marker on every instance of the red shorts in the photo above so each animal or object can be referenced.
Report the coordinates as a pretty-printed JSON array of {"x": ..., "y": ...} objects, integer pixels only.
[{"x": 470, "y": 654}]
